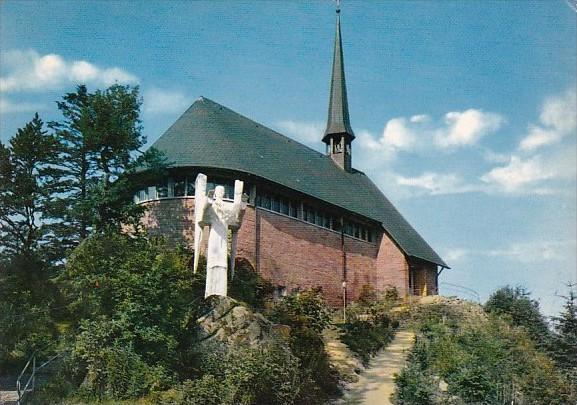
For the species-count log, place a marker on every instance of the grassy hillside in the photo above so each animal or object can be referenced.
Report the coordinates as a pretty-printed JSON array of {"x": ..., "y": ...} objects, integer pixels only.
[{"x": 466, "y": 355}]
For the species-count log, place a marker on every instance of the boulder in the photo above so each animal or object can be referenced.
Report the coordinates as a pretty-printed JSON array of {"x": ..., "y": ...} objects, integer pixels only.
[{"x": 230, "y": 322}]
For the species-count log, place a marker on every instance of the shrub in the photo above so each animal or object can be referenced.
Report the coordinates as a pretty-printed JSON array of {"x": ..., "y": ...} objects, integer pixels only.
[
  {"x": 244, "y": 376},
  {"x": 366, "y": 337},
  {"x": 517, "y": 307},
  {"x": 248, "y": 286},
  {"x": 113, "y": 368},
  {"x": 134, "y": 300},
  {"x": 414, "y": 387},
  {"x": 482, "y": 358},
  {"x": 207, "y": 390},
  {"x": 303, "y": 309},
  {"x": 26, "y": 327},
  {"x": 369, "y": 326},
  {"x": 307, "y": 315}
]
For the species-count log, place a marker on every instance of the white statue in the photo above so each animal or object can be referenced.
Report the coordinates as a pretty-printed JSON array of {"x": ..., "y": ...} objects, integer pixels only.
[{"x": 211, "y": 210}]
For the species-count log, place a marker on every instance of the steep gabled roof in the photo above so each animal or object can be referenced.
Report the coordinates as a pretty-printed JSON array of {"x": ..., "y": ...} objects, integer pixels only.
[{"x": 210, "y": 135}]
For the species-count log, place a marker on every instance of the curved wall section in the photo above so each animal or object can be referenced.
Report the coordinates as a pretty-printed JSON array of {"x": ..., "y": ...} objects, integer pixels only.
[{"x": 293, "y": 253}]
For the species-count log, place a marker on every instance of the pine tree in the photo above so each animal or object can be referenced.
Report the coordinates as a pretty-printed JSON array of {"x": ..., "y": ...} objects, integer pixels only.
[
  {"x": 100, "y": 137},
  {"x": 27, "y": 188},
  {"x": 517, "y": 306},
  {"x": 564, "y": 348}
]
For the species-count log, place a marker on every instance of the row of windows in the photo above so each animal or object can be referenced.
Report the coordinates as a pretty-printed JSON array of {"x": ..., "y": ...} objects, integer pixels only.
[
  {"x": 181, "y": 187},
  {"x": 314, "y": 215},
  {"x": 278, "y": 204},
  {"x": 184, "y": 186}
]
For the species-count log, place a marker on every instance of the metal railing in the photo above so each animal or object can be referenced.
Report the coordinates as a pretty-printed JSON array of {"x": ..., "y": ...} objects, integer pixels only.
[
  {"x": 445, "y": 289},
  {"x": 462, "y": 290},
  {"x": 31, "y": 382}
]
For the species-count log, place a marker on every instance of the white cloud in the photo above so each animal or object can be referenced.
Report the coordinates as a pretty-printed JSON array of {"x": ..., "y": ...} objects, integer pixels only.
[
  {"x": 524, "y": 252},
  {"x": 421, "y": 133},
  {"x": 517, "y": 174},
  {"x": 30, "y": 71},
  {"x": 310, "y": 133},
  {"x": 466, "y": 128},
  {"x": 558, "y": 118},
  {"x": 456, "y": 255},
  {"x": 7, "y": 106},
  {"x": 436, "y": 183},
  {"x": 420, "y": 118},
  {"x": 528, "y": 175},
  {"x": 398, "y": 135},
  {"x": 159, "y": 101},
  {"x": 494, "y": 157},
  {"x": 535, "y": 251}
]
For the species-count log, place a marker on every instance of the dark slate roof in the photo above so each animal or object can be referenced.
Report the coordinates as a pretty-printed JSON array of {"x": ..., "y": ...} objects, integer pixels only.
[
  {"x": 338, "y": 121},
  {"x": 210, "y": 135}
]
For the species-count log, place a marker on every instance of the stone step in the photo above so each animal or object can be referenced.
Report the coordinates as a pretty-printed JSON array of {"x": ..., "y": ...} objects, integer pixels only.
[{"x": 8, "y": 397}]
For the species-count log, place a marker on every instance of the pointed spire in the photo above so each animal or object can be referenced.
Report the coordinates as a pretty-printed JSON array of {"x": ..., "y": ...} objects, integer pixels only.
[{"x": 338, "y": 119}]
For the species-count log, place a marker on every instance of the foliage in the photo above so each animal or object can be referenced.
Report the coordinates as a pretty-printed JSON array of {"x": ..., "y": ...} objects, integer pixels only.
[
  {"x": 519, "y": 309},
  {"x": 248, "y": 286},
  {"x": 26, "y": 189},
  {"x": 303, "y": 309},
  {"x": 481, "y": 357},
  {"x": 99, "y": 137},
  {"x": 25, "y": 323},
  {"x": 367, "y": 337},
  {"x": 414, "y": 387},
  {"x": 564, "y": 347},
  {"x": 114, "y": 369},
  {"x": 307, "y": 315},
  {"x": 268, "y": 374},
  {"x": 133, "y": 302},
  {"x": 369, "y": 326}
]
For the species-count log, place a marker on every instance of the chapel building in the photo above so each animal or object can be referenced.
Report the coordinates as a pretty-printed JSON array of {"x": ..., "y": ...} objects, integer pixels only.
[{"x": 312, "y": 219}]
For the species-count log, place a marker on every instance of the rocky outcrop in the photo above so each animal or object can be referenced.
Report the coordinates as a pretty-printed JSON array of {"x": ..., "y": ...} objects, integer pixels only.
[{"x": 230, "y": 322}]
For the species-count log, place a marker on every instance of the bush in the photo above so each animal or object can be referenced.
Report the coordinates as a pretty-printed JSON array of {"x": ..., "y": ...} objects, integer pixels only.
[
  {"x": 517, "y": 307},
  {"x": 134, "y": 300},
  {"x": 307, "y": 315},
  {"x": 207, "y": 390},
  {"x": 481, "y": 357},
  {"x": 113, "y": 368},
  {"x": 303, "y": 309},
  {"x": 413, "y": 387},
  {"x": 369, "y": 326},
  {"x": 26, "y": 327},
  {"x": 244, "y": 376},
  {"x": 248, "y": 286},
  {"x": 365, "y": 337}
]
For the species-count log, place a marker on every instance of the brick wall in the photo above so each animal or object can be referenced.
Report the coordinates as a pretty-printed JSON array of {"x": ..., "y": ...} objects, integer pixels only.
[
  {"x": 293, "y": 253},
  {"x": 424, "y": 279}
]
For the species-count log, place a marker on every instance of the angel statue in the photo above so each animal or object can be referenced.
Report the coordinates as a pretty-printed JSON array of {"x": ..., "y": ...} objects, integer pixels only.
[{"x": 210, "y": 210}]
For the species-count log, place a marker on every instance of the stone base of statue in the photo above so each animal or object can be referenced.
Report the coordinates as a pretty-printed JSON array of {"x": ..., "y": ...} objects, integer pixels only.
[{"x": 232, "y": 323}]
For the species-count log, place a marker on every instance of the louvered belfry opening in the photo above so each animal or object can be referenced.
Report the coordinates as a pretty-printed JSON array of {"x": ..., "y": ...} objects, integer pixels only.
[{"x": 339, "y": 135}]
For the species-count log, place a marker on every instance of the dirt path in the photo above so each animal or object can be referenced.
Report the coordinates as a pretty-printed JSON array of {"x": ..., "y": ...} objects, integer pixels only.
[{"x": 377, "y": 382}]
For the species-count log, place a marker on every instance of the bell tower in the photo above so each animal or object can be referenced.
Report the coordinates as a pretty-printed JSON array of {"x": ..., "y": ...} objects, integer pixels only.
[{"x": 339, "y": 134}]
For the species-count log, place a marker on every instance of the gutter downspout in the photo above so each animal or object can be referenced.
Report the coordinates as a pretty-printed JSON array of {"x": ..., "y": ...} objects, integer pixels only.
[{"x": 344, "y": 269}]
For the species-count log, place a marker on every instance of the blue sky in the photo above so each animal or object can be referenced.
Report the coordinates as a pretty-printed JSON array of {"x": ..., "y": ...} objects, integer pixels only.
[{"x": 464, "y": 111}]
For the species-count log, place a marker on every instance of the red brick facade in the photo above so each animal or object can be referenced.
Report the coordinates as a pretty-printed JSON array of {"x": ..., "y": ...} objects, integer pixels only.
[{"x": 292, "y": 253}]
